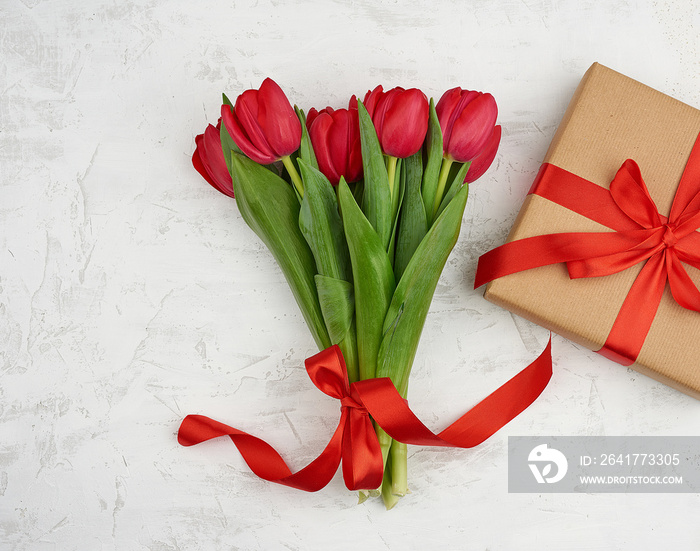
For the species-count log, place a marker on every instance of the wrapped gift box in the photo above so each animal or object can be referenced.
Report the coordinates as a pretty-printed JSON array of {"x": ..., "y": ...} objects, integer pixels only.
[{"x": 611, "y": 118}]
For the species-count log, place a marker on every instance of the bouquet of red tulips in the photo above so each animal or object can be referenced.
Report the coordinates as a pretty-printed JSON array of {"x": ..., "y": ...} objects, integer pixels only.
[{"x": 361, "y": 208}]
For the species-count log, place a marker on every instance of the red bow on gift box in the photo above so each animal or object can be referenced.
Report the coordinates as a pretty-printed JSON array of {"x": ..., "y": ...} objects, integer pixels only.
[{"x": 640, "y": 234}]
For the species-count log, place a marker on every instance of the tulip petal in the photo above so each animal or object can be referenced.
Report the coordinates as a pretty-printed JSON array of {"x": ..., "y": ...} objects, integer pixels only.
[
  {"x": 277, "y": 119},
  {"x": 383, "y": 101},
  {"x": 311, "y": 116},
  {"x": 338, "y": 140},
  {"x": 465, "y": 99},
  {"x": 197, "y": 160},
  {"x": 208, "y": 160},
  {"x": 483, "y": 161},
  {"x": 354, "y": 170},
  {"x": 371, "y": 99},
  {"x": 214, "y": 160},
  {"x": 318, "y": 133},
  {"x": 246, "y": 115},
  {"x": 241, "y": 139},
  {"x": 445, "y": 109}
]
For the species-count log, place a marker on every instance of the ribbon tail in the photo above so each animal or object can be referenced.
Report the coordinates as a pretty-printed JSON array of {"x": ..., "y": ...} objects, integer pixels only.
[
  {"x": 392, "y": 413},
  {"x": 687, "y": 195},
  {"x": 362, "y": 457},
  {"x": 504, "y": 404},
  {"x": 630, "y": 329},
  {"x": 683, "y": 289},
  {"x": 262, "y": 458}
]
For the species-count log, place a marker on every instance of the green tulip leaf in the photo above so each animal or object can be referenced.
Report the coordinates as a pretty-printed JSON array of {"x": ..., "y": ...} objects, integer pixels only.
[
  {"x": 270, "y": 208},
  {"x": 434, "y": 161},
  {"x": 321, "y": 226},
  {"x": 320, "y": 223},
  {"x": 376, "y": 199},
  {"x": 337, "y": 304},
  {"x": 413, "y": 224},
  {"x": 411, "y": 301},
  {"x": 373, "y": 280},
  {"x": 306, "y": 150}
]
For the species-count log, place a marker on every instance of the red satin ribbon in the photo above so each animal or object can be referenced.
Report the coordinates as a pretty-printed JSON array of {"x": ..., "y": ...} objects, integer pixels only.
[
  {"x": 355, "y": 440},
  {"x": 640, "y": 234}
]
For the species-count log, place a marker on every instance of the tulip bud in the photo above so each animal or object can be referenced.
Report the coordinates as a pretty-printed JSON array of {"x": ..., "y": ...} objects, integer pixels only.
[
  {"x": 263, "y": 123},
  {"x": 400, "y": 118},
  {"x": 208, "y": 159},
  {"x": 467, "y": 119},
  {"x": 335, "y": 136}
]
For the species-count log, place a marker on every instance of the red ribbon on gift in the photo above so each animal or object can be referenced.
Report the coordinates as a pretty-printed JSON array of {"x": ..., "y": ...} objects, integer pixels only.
[
  {"x": 355, "y": 440},
  {"x": 641, "y": 234}
]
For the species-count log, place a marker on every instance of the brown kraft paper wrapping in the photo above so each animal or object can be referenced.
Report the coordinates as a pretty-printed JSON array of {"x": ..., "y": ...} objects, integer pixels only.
[{"x": 610, "y": 118}]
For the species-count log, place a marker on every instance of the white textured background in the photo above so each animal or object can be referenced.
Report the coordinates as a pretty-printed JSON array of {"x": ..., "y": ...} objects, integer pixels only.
[{"x": 132, "y": 293}]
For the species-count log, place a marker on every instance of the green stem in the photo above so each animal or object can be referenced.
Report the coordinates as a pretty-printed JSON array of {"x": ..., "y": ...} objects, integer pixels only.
[
  {"x": 294, "y": 175},
  {"x": 398, "y": 459},
  {"x": 389, "y": 498},
  {"x": 442, "y": 181},
  {"x": 391, "y": 172},
  {"x": 384, "y": 443},
  {"x": 364, "y": 495}
]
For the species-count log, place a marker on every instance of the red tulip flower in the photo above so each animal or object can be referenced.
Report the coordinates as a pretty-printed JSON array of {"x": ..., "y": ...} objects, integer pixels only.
[
  {"x": 483, "y": 160},
  {"x": 208, "y": 159},
  {"x": 400, "y": 118},
  {"x": 467, "y": 120},
  {"x": 335, "y": 136},
  {"x": 263, "y": 123}
]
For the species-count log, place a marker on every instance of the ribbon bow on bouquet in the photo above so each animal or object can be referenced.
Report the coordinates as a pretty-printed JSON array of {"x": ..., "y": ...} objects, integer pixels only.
[
  {"x": 355, "y": 440},
  {"x": 361, "y": 208}
]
